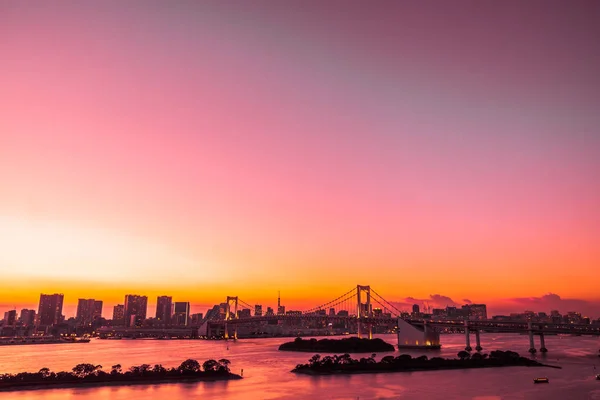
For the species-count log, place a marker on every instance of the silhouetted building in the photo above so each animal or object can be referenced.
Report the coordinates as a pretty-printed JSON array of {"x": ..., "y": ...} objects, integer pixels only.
[
  {"x": 87, "y": 311},
  {"x": 27, "y": 317},
  {"x": 118, "y": 314},
  {"x": 50, "y": 309},
  {"x": 475, "y": 311},
  {"x": 342, "y": 313},
  {"x": 196, "y": 319},
  {"x": 269, "y": 311},
  {"x": 214, "y": 313},
  {"x": 281, "y": 310},
  {"x": 163, "y": 309},
  {"x": 332, "y": 312},
  {"x": 244, "y": 313},
  {"x": 181, "y": 313},
  {"x": 415, "y": 309},
  {"x": 97, "y": 309},
  {"x": 377, "y": 312},
  {"x": 258, "y": 310},
  {"x": 135, "y": 309},
  {"x": 10, "y": 318}
]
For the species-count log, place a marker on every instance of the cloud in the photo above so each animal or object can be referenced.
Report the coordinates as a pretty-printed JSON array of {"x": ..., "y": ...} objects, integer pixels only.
[
  {"x": 467, "y": 301},
  {"x": 546, "y": 303},
  {"x": 433, "y": 301}
]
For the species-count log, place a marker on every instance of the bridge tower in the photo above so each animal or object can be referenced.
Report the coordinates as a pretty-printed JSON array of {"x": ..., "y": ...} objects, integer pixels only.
[
  {"x": 362, "y": 313},
  {"x": 229, "y": 315}
]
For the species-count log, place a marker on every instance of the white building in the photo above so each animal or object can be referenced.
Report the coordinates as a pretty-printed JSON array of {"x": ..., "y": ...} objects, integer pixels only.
[{"x": 415, "y": 337}]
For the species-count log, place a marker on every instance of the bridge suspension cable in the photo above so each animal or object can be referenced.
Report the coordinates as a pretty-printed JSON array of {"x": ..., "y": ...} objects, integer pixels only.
[
  {"x": 242, "y": 302},
  {"x": 373, "y": 292},
  {"x": 328, "y": 304}
]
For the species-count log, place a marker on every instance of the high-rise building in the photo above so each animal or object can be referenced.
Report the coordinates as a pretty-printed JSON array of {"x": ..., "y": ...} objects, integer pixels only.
[
  {"x": 476, "y": 311},
  {"x": 280, "y": 308},
  {"x": 181, "y": 313},
  {"x": 269, "y": 311},
  {"x": 244, "y": 313},
  {"x": 10, "y": 318},
  {"x": 50, "y": 309},
  {"x": 258, "y": 310},
  {"x": 135, "y": 309},
  {"x": 163, "y": 309},
  {"x": 118, "y": 314},
  {"x": 27, "y": 317},
  {"x": 214, "y": 313},
  {"x": 196, "y": 319},
  {"x": 332, "y": 312},
  {"x": 97, "y": 310},
  {"x": 415, "y": 309},
  {"x": 87, "y": 311},
  {"x": 377, "y": 312}
]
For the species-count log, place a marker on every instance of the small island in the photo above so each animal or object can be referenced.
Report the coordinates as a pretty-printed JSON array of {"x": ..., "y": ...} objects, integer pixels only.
[
  {"x": 90, "y": 374},
  {"x": 347, "y": 345},
  {"x": 344, "y": 364}
]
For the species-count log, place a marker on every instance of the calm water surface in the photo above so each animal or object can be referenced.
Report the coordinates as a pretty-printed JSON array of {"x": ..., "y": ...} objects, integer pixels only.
[{"x": 267, "y": 376}]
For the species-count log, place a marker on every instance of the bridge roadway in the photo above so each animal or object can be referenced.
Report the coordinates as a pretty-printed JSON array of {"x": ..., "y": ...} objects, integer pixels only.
[
  {"x": 473, "y": 325},
  {"x": 457, "y": 325}
]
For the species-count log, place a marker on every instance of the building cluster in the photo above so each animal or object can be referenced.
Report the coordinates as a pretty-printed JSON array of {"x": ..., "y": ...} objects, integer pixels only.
[
  {"x": 468, "y": 311},
  {"x": 49, "y": 318},
  {"x": 133, "y": 313},
  {"x": 554, "y": 317}
]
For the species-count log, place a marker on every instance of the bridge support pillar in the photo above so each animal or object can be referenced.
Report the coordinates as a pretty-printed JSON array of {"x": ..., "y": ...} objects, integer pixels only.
[
  {"x": 467, "y": 337},
  {"x": 543, "y": 348},
  {"x": 235, "y": 332},
  {"x": 532, "y": 349},
  {"x": 226, "y": 332},
  {"x": 477, "y": 342},
  {"x": 370, "y": 331}
]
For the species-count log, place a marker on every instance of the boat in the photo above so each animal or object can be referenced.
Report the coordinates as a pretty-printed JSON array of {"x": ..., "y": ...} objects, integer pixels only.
[{"x": 541, "y": 380}]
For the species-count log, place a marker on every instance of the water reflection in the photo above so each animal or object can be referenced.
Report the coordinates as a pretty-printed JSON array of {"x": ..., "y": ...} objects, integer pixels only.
[{"x": 267, "y": 376}]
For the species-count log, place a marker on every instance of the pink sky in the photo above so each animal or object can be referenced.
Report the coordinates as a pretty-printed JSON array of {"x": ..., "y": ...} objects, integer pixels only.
[{"x": 213, "y": 150}]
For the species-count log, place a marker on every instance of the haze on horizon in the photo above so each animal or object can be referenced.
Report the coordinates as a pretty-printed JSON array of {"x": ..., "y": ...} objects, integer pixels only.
[{"x": 206, "y": 150}]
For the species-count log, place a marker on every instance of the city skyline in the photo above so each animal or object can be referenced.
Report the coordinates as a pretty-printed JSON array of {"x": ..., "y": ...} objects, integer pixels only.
[
  {"x": 201, "y": 151},
  {"x": 546, "y": 303}
]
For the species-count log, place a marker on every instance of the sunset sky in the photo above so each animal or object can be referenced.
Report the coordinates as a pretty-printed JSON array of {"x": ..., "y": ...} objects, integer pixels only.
[{"x": 241, "y": 148}]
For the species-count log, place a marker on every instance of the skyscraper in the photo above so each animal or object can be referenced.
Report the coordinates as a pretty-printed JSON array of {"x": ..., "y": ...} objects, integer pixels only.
[
  {"x": 97, "y": 310},
  {"x": 182, "y": 313},
  {"x": 10, "y": 317},
  {"x": 27, "y": 317},
  {"x": 163, "y": 309},
  {"x": 85, "y": 311},
  {"x": 258, "y": 311},
  {"x": 118, "y": 314},
  {"x": 135, "y": 309},
  {"x": 475, "y": 311},
  {"x": 50, "y": 309}
]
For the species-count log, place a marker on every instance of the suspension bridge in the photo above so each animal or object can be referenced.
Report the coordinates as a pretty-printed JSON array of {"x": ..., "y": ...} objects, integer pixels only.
[
  {"x": 366, "y": 308},
  {"x": 360, "y": 310},
  {"x": 361, "y": 304}
]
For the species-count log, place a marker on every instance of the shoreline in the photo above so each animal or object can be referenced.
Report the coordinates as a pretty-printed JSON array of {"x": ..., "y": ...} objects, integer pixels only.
[
  {"x": 24, "y": 386},
  {"x": 346, "y": 345},
  {"x": 389, "y": 371}
]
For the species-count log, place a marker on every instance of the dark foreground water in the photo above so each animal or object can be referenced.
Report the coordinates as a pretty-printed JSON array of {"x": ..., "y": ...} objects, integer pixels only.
[{"x": 267, "y": 376}]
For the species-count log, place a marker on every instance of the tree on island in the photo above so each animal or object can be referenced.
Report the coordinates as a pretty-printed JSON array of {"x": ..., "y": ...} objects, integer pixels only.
[
  {"x": 224, "y": 364},
  {"x": 83, "y": 370},
  {"x": 44, "y": 372},
  {"x": 190, "y": 365},
  {"x": 115, "y": 369}
]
